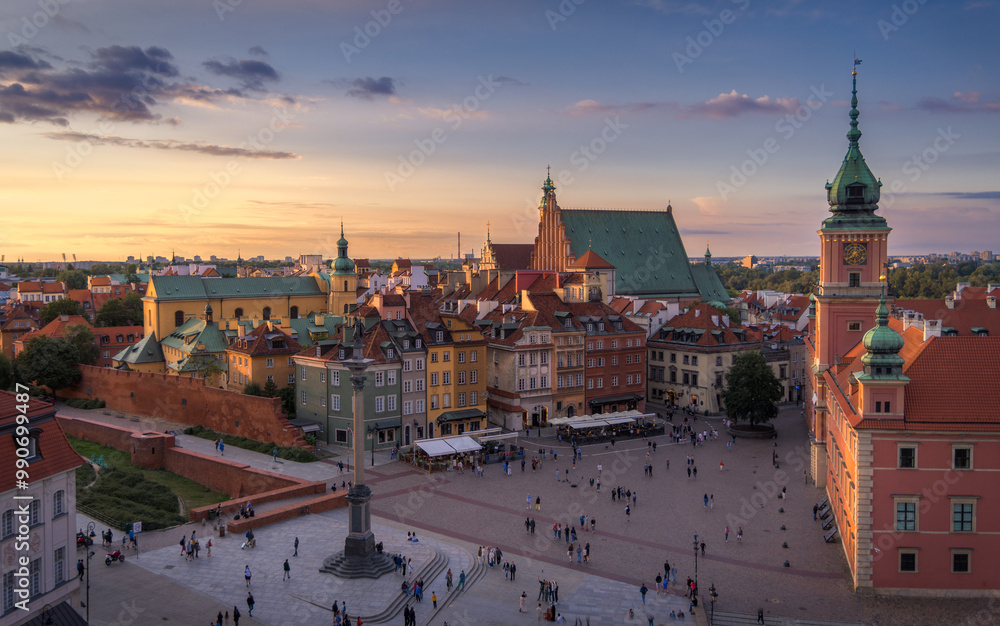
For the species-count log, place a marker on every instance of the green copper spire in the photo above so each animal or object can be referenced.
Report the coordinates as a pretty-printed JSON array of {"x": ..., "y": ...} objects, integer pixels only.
[
  {"x": 854, "y": 192},
  {"x": 882, "y": 345},
  {"x": 548, "y": 186},
  {"x": 342, "y": 264},
  {"x": 708, "y": 254}
]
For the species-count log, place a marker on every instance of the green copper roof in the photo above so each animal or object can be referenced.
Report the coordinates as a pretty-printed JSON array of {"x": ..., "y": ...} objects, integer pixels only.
[
  {"x": 342, "y": 264},
  {"x": 854, "y": 193},
  {"x": 709, "y": 284},
  {"x": 197, "y": 288},
  {"x": 644, "y": 246},
  {"x": 193, "y": 332},
  {"x": 882, "y": 345},
  {"x": 146, "y": 350}
]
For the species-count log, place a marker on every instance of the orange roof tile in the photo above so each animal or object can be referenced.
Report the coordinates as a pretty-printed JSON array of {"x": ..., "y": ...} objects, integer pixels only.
[
  {"x": 591, "y": 261},
  {"x": 56, "y": 454}
]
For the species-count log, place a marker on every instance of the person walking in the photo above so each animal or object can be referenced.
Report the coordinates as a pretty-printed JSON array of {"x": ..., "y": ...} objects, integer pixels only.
[
  {"x": 247, "y": 574},
  {"x": 461, "y": 580},
  {"x": 523, "y": 600},
  {"x": 760, "y": 616},
  {"x": 250, "y": 603},
  {"x": 236, "y": 616},
  {"x": 711, "y": 502},
  {"x": 706, "y": 500},
  {"x": 739, "y": 535},
  {"x": 529, "y": 502},
  {"x": 538, "y": 503},
  {"x": 628, "y": 513},
  {"x": 434, "y": 599},
  {"x": 222, "y": 447},
  {"x": 727, "y": 534},
  {"x": 659, "y": 584},
  {"x": 513, "y": 571},
  {"x": 288, "y": 571},
  {"x": 296, "y": 547},
  {"x": 642, "y": 591},
  {"x": 815, "y": 512},
  {"x": 538, "y": 612}
]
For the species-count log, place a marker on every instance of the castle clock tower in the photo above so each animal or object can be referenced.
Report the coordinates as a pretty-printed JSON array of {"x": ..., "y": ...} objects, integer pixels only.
[{"x": 853, "y": 254}]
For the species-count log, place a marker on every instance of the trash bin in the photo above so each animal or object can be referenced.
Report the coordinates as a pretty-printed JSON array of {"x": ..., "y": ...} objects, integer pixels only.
[
  {"x": 211, "y": 514},
  {"x": 222, "y": 530}
]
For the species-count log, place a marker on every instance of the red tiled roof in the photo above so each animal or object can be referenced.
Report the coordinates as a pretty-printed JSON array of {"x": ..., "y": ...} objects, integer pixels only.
[
  {"x": 621, "y": 305},
  {"x": 700, "y": 317},
  {"x": 513, "y": 256},
  {"x": 260, "y": 341},
  {"x": 52, "y": 288},
  {"x": 591, "y": 261},
  {"x": 969, "y": 311},
  {"x": 56, "y": 454},
  {"x": 100, "y": 281},
  {"x": 954, "y": 380},
  {"x": 29, "y": 285},
  {"x": 57, "y": 327}
]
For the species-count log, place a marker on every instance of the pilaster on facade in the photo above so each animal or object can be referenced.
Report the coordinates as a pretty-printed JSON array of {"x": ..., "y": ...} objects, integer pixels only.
[{"x": 864, "y": 514}]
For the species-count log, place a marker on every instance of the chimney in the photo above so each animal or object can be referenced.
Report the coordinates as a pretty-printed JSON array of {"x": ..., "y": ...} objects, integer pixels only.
[
  {"x": 64, "y": 318},
  {"x": 949, "y": 302},
  {"x": 932, "y": 328},
  {"x": 715, "y": 320},
  {"x": 241, "y": 330},
  {"x": 319, "y": 319},
  {"x": 697, "y": 312},
  {"x": 991, "y": 301}
]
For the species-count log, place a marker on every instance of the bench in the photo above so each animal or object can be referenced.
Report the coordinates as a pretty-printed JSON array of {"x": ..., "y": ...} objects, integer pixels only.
[
  {"x": 823, "y": 513},
  {"x": 828, "y": 523},
  {"x": 828, "y": 537},
  {"x": 822, "y": 503}
]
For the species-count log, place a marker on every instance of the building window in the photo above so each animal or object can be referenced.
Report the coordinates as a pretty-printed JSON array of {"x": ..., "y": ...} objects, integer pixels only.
[
  {"x": 961, "y": 561},
  {"x": 391, "y": 403},
  {"x": 266, "y": 314},
  {"x": 445, "y": 378},
  {"x": 302, "y": 373},
  {"x": 340, "y": 435},
  {"x": 419, "y": 406},
  {"x": 59, "y": 565},
  {"x": 600, "y": 383},
  {"x": 391, "y": 377},
  {"x": 461, "y": 399},
  {"x": 854, "y": 279},
  {"x": 906, "y": 514},
  {"x": 907, "y": 457},
  {"x": 407, "y": 365},
  {"x": 178, "y": 318},
  {"x": 420, "y": 365},
  {"x": 962, "y": 458},
  {"x": 854, "y": 326},
  {"x": 686, "y": 359},
  {"x": 473, "y": 398},
  {"x": 533, "y": 383},
  {"x": 963, "y": 515},
  {"x": 461, "y": 378},
  {"x": 322, "y": 375},
  {"x": 35, "y": 576},
  {"x": 579, "y": 380},
  {"x": 420, "y": 384},
  {"x": 379, "y": 379},
  {"x": 599, "y": 345},
  {"x": 334, "y": 402},
  {"x": 8, "y": 523},
  {"x": 8, "y": 591},
  {"x": 545, "y": 382},
  {"x": 291, "y": 379},
  {"x": 335, "y": 378},
  {"x": 446, "y": 400},
  {"x": 379, "y": 404},
  {"x": 694, "y": 360},
  {"x": 908, "y": 560},
  {"x": 434, "y": 401},
  {"x": 718, "y": 361},
  {"x": 390, "y": 353},
  {"x": 439, "y": 336},
  {"x": 473, "y": 357},
  {"x": 520, "y": 359},
  {"x": 461, "y": 357},
  {"x": 407, "y": 386},
  {"x": 434, "y": 357},
  {"x": 303, "y": 396},
  {"x": 473, "y": 376},
  {"x": 58, "y": 503},
  {"x": 322, "y": 401},
  {"x": 614, "y": 381}
]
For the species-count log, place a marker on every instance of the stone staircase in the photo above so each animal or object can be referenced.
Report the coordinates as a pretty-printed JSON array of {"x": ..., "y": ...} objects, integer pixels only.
[
  {"x": 428, "y": 572},
  {"x": 722, "y": 618}
]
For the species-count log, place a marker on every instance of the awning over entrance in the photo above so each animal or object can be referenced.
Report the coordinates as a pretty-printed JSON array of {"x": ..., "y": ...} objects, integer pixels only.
[
  {"x": 451, "y": 445},
  {"x": 307, "y": 426},
  {"x": 625, "y": 397},
  {"x": 461, "y": 414},
  {"x": 393, "y": 422}
]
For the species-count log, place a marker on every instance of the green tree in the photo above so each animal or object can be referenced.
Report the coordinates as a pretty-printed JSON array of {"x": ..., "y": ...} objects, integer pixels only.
[
  {"x": 125, "y": 311},
  {"x": 66, "y": 306},
  {"x": 752, "y": 392},
  {"x": 6, "y": 372},
  {"x": 287, "y": 395},
  {"x": 270, "y": 390},
  {"x": 74, "y": 279},
  {"x": 50, "y": 362},
  {"x": 252, "y": 389},
  {"x": 81, "y": 337}
]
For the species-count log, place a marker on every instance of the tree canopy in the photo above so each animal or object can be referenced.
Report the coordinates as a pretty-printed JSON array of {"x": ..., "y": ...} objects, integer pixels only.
[
  {"x": 82, "y": 339},
  {"x": 74, "y": 279},
  {"x": 125, "y": 311},
  {"x": 6, "y": 372},
  {"x": 752, "y": 391},
  {"x": 49, "y": 362},
  {"x": 66, "y": 306}
]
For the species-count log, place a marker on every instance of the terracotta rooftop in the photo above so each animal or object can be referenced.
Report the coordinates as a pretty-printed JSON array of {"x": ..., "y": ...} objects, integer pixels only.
[
  {"x": 56, "y": 454},
  {"x": 591, "y": 261}
]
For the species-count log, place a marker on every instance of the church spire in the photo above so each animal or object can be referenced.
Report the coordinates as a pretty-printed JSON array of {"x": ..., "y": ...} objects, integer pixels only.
[
  {"x": 854, "y": 192},
  {"x": 548, "y": 186}
]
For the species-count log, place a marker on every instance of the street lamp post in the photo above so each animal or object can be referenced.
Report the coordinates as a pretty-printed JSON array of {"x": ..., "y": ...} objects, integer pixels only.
[
  {"x": 371, "y": 435},
  {"x": 713, "y": 596},
  {"x": 90, "y": 529},
  {"x": 696, "y": 563}
]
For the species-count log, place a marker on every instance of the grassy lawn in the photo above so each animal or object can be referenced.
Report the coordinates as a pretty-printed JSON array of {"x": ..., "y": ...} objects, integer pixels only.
[{"x": 128, "y": 493}]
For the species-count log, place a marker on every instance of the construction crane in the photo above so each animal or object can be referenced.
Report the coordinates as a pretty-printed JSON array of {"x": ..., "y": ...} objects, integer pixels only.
[{"x": 74, "y": 258}]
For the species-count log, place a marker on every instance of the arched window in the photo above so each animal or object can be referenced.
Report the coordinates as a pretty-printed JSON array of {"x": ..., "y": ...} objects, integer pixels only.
[
  {"x": 267, "y": 313},
  {"x": 293, "y": 312},
  {"x": 346, "y": 306},
  {"x": 178, "y": 318},
  {"x": 238, "y": 313},
  {"x": 345, "y": 285},
  {"x": 149, "y": 318},
  {"x": 58, "y": 503}
]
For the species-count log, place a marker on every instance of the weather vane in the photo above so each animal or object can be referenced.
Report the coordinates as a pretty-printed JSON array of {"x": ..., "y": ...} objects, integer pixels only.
[{"x": 857, "y": 62}]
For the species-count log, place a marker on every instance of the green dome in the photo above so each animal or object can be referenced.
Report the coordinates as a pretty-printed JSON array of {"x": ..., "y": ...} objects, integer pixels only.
[
  {"x": 854, "y": 189},
  {"x": 882, "y": 344},
  {"x": 343, "y": 264}
]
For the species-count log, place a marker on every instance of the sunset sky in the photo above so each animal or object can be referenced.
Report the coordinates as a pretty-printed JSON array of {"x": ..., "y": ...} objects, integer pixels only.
[{"x": 137, "y": 128}]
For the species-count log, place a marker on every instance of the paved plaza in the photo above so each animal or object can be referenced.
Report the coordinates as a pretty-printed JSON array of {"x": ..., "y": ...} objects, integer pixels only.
[{"x": 455, "y": 513}]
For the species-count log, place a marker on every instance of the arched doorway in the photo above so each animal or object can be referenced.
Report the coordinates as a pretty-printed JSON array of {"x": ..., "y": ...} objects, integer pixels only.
[
  {"x": 570, "y": 411},
  {"x": 406, "y": 435}
]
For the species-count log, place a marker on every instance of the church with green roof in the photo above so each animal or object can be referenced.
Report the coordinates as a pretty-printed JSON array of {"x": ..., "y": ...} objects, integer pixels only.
[{"x": 645, "y": 248}]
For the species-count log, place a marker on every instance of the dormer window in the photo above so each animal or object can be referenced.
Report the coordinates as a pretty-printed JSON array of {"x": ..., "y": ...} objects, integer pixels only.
[
  {"x": 855, "y": 192},
  {"x": 419, "y": 343}
]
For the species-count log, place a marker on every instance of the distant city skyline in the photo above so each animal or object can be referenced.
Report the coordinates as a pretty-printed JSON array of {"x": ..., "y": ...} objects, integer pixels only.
[{"x": 214, "y": 127}]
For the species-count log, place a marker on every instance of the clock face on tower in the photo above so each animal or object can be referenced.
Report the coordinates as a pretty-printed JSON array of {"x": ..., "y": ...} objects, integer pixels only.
[{"x": 855, "y": 253}]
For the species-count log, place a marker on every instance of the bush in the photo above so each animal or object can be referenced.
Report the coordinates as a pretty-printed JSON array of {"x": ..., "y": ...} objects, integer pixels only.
[
  {"x": 81, "y": 403},
  {"x": 129, "y": 497},
  {"x": 289, "y": 453},
  {"x": 85, "y": 475}
]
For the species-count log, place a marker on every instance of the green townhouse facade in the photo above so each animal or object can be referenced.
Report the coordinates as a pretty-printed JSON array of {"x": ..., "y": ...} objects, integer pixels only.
[{"x": 324, "y": 393}]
